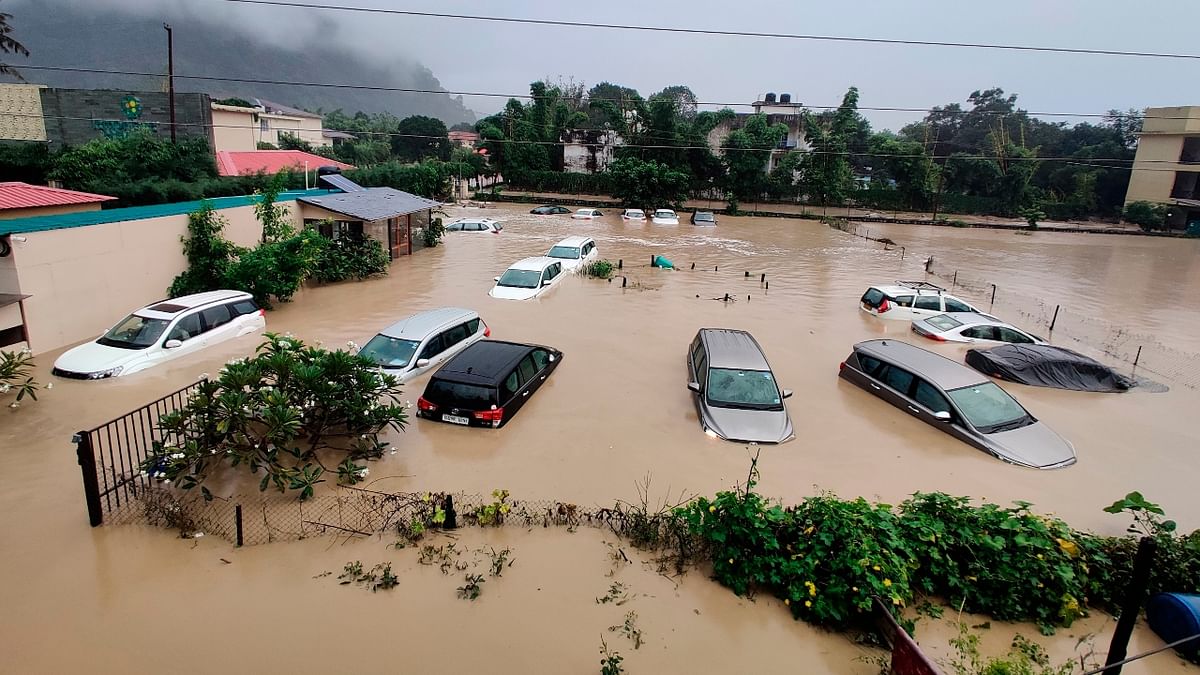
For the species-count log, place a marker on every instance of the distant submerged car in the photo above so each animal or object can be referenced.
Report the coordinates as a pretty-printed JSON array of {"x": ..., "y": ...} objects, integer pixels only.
[
  {"x": 665, "y": 217},
  {"x": 574, "y": 252},
  {"x": 550, "y": 210},
  {"x": 475, "y": 225},
  {"x": 587, "y": 214},
  {"x": 703, "y": 218},
  {"x": 634, "y": 215},
  {"x": 971, "y": 327},
  {"x": 528, "y": 278}
]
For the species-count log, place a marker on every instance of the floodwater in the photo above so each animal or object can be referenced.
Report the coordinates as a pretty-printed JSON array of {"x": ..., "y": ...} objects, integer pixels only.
[{"x": 617, "y": 410}]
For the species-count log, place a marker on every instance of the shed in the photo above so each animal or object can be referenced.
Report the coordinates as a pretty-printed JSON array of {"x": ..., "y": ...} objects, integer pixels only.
[{"x": 384, "y": 214}]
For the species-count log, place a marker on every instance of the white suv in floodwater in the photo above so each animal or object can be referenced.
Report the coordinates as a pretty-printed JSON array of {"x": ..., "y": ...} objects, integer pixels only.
[{"x": 910, "y": 300}]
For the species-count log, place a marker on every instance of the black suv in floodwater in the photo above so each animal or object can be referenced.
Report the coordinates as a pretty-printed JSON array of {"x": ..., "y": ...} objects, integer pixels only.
[{"x": 487, "y": 383}]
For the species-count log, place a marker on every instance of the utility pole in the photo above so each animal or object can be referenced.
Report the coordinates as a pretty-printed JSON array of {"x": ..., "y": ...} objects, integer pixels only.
[{"x": 171, "y": 77}]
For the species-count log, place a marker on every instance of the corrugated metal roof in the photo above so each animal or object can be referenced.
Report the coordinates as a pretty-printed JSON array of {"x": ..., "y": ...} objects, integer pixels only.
[
  {"x": 242, "y": 162},
  {"x": 17, "y": 195},
  {"x": 372, "y": 204},
  {"x": 85, "y": 218},
  {"x": 340, "y": 182}
]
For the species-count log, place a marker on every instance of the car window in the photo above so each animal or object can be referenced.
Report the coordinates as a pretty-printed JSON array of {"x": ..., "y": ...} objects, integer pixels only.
[
  {"x": 454, "y": 227},
  {"x": 433, "y": 348},
  {"x": 215, "y": 317},
  {"x": 981, "y": 332},
  {"x": 872, "y": 297},
  {"x": 514, "y": 278},
  {"x": 454, "y": 336},
  {"x": 473, "y": 326},
  {"x": 1010, "y": 335},
  {"x": 511, "y": 385},
  {"x": 547, "y": 274},
  {"x": 527, "y": 369},
  {"x": 870, "y": 365},
  {"x": 389, "y": 352},
  {"x": 943, "y": 322},
  {"x": 928, "y": 302},
  {"x": 929, "y": 396},
  {"x": 134, "y": 332},
  {"x": 442, "y": 392},
  {"x": 243, "y": 307},
  {"x": 897, "y": 378},
  {"x": 541, "y": 358},
  {"x": 187, "y": 328},
  {"x": 702, "y": 368},
  {"x": 744, "y": 389},
  {"x": 953, "y": 305},
  {"x": 497, "y": 226},
  {"x": 988, "y": 407},
  {"x": 904, "y": 300}
]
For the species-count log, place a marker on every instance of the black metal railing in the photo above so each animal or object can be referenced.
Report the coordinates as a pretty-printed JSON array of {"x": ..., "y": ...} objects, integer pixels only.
[{"x": 111, "y": 455}]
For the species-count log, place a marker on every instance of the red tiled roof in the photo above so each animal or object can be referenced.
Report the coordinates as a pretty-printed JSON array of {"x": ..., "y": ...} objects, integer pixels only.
[
  {"x": 18, "y": 195},
  {"x": 234, "y": 163},
  {"x": 463, "y": 136}
]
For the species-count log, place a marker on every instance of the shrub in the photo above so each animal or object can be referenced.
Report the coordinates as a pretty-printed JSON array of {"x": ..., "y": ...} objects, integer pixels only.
[
  {"x": 274, "y": 269},
  {"x": 1147, "y": 215},
  {"x": 348, "y": 257},
  {"x": 601, "y": 269},
  {"x": 209, "y": 255},
  {"x": 432, "y": 234},
  {"x": 15, "y": 373},
  {"x": 284, "y": 410}
]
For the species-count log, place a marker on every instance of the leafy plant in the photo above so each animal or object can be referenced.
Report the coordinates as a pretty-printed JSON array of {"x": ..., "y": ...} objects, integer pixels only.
[
  {"x": 493, "y": 514},
  {"x": 1024, "y": 657},
  {"x": 1032, "y": 216},
  {"x": 472, "y": 588},
  {"x": 348, "y": 256},
  {"x": 15, "y": 373},
  {"x": 630, "y": 629},
  {"x": 1147, "y": 215},
  {"x": 378, "y": 578},
  {"x": 618, "y": 594},
  {"x": 208, "y": 253},
  {"x": 499, "y": 560},
  {"x": 279, "y": 411},
  {"x": 274, "y": 217},
  {"x": 600, "y": 269},
  {"x": 432, "y": 233},
  {"x": 610, "y": 661}
]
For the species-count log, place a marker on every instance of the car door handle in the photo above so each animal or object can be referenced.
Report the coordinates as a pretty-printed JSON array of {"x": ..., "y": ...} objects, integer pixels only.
[
  {"x": 874, "y": 386},
  {"x": 914, "y": 410},
  {"x": 543, "y": 378},
  {"x": 525, "y": 394}
]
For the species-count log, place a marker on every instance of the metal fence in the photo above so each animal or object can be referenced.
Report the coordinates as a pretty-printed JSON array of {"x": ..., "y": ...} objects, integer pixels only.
[{"x": 110, "y": 455}]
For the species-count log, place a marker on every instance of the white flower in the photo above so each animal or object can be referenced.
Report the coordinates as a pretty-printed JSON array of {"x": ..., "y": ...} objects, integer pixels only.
[
  {"x": 362, "y": 473},
  {"x": 198, "y": 535},
  {"x": 49, "y": 385},
  {"x": 168, "y": 481},
  {"x": 203, "y": 376},
  {"x": 14, "y": 405},
  {"x": 363, "y": 437},
  {"x": 4, "y": 388}
]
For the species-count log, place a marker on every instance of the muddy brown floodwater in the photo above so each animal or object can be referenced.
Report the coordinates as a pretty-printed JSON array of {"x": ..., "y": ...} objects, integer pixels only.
[{"x": 120, "y": 599}]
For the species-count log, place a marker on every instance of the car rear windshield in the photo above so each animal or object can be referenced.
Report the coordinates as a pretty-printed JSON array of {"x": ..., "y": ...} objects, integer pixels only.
[
  {"x": 635, "y": 214},
  {"x": 664, "y": 214},
  {"x": 389, "y": 352},
  {"x": 564, "y": 252},
  {"x": 872, "y": 297},
  {"x": 520, "y": 279},
  {"x": 989, "y": 408},
  {"x": 943, "y": 322},
  {"x": 134, "y": 332},
  {"x": 749, "y": 389},
  {"x": 459, "y": 395}
]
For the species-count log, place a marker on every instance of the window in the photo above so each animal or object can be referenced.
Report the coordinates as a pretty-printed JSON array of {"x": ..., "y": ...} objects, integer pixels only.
[
  {"x": 1191, "y": 151},
  {"x": 512, "y": 384},
  {"x": 243, "y": 307},
  {"x": 454, "y": 336},
  {"x": 472, "y": 396},
  {"x": 943, "y": 322},
  {"x": 565, "y": 252},
  {"x": 187, "y": 328},
  {"x": 519, "y": 279},
  {"x": 215, "y": 317},
  {"x": 744, "y": 389},
  {"x": 1010, "y": 335},
  {"x": 989, "y": 408},
  {"x": 1187, "y": 185},
  {"x": 433, "y": 348},
  {"x": 928, "y": 396},
  {"x": 873, "y": 297},
  {"x": 904, "y": 300},
  {"x": 389, "y": 352},
  {"x": 527, "y": 369},
  {"x": 897, "y": 378},
  {"x": 953, "y": 305},
  {"x": 454, "y": 227},
  {"x": 981, "y": 332},
  {"x": 472, "y": 326},
  {"x": 134, "y": 332},
  {"x": 933, "y": 302},
  {"x": 870, "y": 365},
  {"x": 541, "y": 359}
]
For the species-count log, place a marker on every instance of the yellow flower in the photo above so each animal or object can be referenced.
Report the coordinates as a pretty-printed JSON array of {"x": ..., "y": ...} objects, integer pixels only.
[
  {"x": 854, "y": 588},
  {"x": 731, "y": 561},
  {"x": 887, "y": 582},
  {"x": 895, "y": 600},
  {"x": 712, "y": 509},
  {"x": 808, "y": 603},
  {"x": 876, "y": 568},
  {"x": 1041, "y": 557},
  {"x": 808, "y": 530},
  {"x": 1068, "y": 547},
  {"x": 1041, "y": 585},
  {"x": 972, "y": 578},
  {"x": 787, "y": 602}
]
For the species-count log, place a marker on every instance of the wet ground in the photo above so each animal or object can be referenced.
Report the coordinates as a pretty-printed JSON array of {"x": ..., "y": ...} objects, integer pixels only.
[{"x": 616, "y": 410}]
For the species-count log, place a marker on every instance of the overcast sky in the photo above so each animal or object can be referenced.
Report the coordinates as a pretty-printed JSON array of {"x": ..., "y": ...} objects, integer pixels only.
[{"x": 504, "y": 58}]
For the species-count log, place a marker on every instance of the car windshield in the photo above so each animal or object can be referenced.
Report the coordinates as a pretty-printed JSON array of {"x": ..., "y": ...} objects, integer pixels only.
[
  {"x": 664, "y": 214},
  {"x": 704, "y": 216},
  {"x": 751, "y": 389},
  {"x": 389, "y": 352},
  {"x": 457, "y": 394},
  {"x": 943, "y": 322},
  {"x": 989, "y": 408},
  {"x": 635, "y": 214},
  {"x": 564, "y": 252},
  {"x": 134, "y": 332},
  {"x": 520, "y": 279}
]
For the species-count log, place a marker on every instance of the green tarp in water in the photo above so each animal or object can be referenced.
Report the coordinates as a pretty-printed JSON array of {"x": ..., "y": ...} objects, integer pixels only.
[{"x": 662, "y": 262}]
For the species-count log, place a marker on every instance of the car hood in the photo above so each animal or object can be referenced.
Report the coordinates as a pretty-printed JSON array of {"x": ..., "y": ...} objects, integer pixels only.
[
  {"x": 666, "y": 221},
  {"x": 570, "y": 265},
  {"x": 751, "y": 426},
  {"x": 510, "y": 293},
  {"x": 92, "y": 357},
  {"x": 1035, "y": 445}
]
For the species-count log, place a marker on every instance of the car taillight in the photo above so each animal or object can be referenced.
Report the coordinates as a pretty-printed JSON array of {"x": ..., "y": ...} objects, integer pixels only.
[
  {"x": 884, "y": 306},
  {"x": 425, "y": 406},
  {"x": 841, "y": 366},
  {"x": 494, "y": 415},
  {"x": 487, "y": 331},
  {"x": 262, "y": 312}
]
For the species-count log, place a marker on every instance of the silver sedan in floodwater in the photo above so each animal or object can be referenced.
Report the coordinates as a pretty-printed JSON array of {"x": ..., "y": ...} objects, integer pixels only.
[
  {"x": 735, "y": 392},
  {"x": 956, "y": 400}
]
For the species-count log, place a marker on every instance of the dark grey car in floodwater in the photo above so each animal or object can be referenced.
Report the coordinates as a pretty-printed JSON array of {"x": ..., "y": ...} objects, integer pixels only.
[
  {"x": 736, "y": 395},
  {"x": 957, "y": 400}
]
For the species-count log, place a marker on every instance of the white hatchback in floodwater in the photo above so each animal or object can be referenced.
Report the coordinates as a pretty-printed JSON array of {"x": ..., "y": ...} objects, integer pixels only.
[
  {"x": 528, "y": 278},
  {"x": 634, "y": 215},
  {"x": 419, "y": 343},
  {"x": 665, "y": 217},
  {"x": 587, "y": 214},
  {"x": 161, "y": 332},
  {"x": 574, "y": 252}
]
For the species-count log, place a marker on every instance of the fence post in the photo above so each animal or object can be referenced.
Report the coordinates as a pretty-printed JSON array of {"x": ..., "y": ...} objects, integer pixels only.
[
  {"x": 954, "y": 281},
  {"x": 237, "y": 519},
  {"x": 993, "y": 294},
  {"x": 1132, "y": 604},
  {"x": 620, "y": 263},
  {"x": 1055, "y": 318},
  {"x": 1138, "y": 357},
  {"x": 91, "y": 484},
  {"x": 902, "y": 253}
]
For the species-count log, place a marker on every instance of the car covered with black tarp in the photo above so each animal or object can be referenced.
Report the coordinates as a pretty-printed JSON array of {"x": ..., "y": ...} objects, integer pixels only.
[{"x": 1047, "y": 366}]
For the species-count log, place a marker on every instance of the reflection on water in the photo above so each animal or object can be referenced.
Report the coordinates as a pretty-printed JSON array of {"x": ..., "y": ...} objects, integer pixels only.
[{"x": 617, "y": 409}]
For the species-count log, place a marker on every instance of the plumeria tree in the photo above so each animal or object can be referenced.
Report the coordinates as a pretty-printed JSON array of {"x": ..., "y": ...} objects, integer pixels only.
[
  {"x": 291, "y": 411},
  {"x": 15, "y": 375}
]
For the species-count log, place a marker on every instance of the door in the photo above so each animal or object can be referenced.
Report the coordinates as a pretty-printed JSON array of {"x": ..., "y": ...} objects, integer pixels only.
[
  {"x": 929, "y": 400},
  {"x": 528, "y": 376},
  {"x": 432, "y": 351},
  {"x": 188, "y": 330},
  {"x": 454, "y": 341},
  {"x": 219, "y": 325},
  {"x": 894, "y": 385},
  {"x": 977, "y": 333},
  {"x": 397, "y": 237},
  {"x": 927, "y": 305}
]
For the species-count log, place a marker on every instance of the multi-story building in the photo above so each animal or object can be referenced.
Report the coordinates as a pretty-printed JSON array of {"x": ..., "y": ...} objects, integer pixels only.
[
  {"x": 1166, "y": 169},
  {"x": 779, "y": 110}
]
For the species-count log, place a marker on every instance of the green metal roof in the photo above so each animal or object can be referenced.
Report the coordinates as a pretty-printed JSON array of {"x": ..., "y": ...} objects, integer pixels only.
[{"x": 85, "y": 218}]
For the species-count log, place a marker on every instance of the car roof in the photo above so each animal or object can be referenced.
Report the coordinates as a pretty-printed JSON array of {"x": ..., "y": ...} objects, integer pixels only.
[
  {"x": 484, "y": 362},
  {"x": 704, "y": 213},
  {"x": 662, "y": 210},
  {"x": 925, "y": 364},
  {"x": 574, "y": 241},
  {"x": 634, "y": 211},
  {"x": 974, "y": 319},
  {"x": 585, "y": 209},
  {"x": 539, "y": 263},
  {"x": 473, "y": 220},
  {"x": 421, "y": 324},
  {"x": 732, "y": 349},
  {"x": 893, "y": 289},
  {"x": 166, "y": 309}
]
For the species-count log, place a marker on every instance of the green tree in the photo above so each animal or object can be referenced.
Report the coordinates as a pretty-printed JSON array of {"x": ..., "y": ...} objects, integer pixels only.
[
  {"x": 1148, "y": 215},
  {"x": 905, "y": 164},
  {"x": 9, "y": 45},
  {"x": 647, "y": 184},
  {"x": 746, "y": 153},
  {"x": 420, "y": 137},
  {"x": 272, "y": 216},
  {"x": 208, "y": 253}
]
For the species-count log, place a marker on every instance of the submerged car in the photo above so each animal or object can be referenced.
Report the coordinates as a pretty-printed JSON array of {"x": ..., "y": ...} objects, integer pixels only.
[
  {"x": 486, "y": 384},
  {"x": 475, "y": 225},
  {"x": 634, "y": 215},
  {"x": 735, "y": 392},
  {"x": 162, "y": 332},
  {"x": 971, "y": 327},
  {"x": 911, "y": 300},
  {"x": 1048, "y": 366},
  {"x": 574, "y": 252},
  {"x": 704, "y": 218},
  {"x": 665, "y": 217},
  {"x": 957, "y": 400},
  {"x": 549, "y": 210},
  {"x": 587, "y": 214},
  {"x": 413, "y": 345},
  {"x": 528, "y": 278}
]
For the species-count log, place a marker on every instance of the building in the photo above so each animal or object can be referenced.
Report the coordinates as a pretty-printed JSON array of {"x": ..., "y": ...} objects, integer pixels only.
[
  {"x": 75, "y": 116},
  {"x": 21, "y": 113},
  {"x": 239, "y": 128},
  {"x": 386, "y": 215},
  {"x": 463, "y": 139},
  {"x": 589, "y": 150},
  {"x": 779, "y": 110},
  {"x": 1166, "y": 168},
  {"x": 230, "y": 163},
  {"x": 22, "y": 200}
]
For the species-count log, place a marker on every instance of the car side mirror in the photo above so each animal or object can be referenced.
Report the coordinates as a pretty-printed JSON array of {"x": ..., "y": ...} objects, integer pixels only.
[
  {"x": 172, "y": 344},
  {"x": 694, "y": 386},
  {"x": 787, "y": 393},
  {"x": 495, "y": 278},
  {"x": 941, "y": 416},
  {"x": 546, "y": 282},
  {"x": 421, "y": 363}
]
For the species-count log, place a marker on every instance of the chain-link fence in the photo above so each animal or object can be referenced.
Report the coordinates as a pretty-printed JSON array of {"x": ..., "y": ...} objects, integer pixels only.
[{"x": 1142, "y": 352}]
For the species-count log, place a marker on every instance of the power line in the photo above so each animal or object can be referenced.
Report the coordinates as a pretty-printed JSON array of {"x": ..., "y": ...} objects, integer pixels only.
[
  {"x": 726, "y": 33},
  {"x": 442, "y": 92}
]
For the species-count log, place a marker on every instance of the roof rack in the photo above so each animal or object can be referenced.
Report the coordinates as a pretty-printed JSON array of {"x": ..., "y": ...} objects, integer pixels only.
[{"x": 921, "y": 285}]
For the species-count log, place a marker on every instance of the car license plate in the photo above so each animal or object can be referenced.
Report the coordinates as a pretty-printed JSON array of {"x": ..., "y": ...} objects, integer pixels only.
[{"x": 455, "y": 419}]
